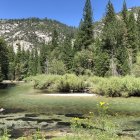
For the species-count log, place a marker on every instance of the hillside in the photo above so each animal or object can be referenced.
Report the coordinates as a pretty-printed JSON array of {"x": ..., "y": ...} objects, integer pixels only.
[{"x": 32, "y": 32}]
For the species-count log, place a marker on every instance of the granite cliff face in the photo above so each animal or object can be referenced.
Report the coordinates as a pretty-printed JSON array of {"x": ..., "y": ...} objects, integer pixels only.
[{"x": 32, "y": 32}]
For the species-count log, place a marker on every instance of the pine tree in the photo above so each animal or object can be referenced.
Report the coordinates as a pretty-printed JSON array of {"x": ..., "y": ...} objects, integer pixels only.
[
  {"x": 36, "y": 57},
  {"x": 114, "y": 44},
  {"x": 88, "y": 24},
  {"x": 11, "y": 56},
  {"x": 110, "y": 13},
  {"x": 68, "y": 53},
  {"x": 132, "y": 40},
  {"x": 18, "y": 62},
  {"x": 121, "y": 51},
  {"x": 31, "y": 64},
  {"x": 108, "y": 38},
  {"x": 85, "y": 32},
  {"x": 43, "y": 58},
  {"x": 18, "y": 56},
  {"x": 4, "y": 61},
  {"x": 138, "y": 28},
  {"x": 39, "y": 71},
  {"x": 54, "y": 43},
  {"x": 125, "y": 13},
  {"x": 79, "y": 43}
]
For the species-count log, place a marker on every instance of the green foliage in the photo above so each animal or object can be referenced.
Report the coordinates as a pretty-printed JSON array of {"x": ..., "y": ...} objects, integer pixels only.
[
  {"x": 125, "y": 13},
  {"x": 136, "y": 67},
  {"x": 83, "y": 61},
  {"x": 11, "y": 56},
  {"x": 56, "y": 67},
  {"x": 110, "y": 13},
  {"x": 138, "y": 28},
  {"x": 132, "y": 37},
  {"x": 6, "y": 135},
  {"x": 1, "y": 75},
  {"x": 97, "y": 127},
  {"x": 68, "y": 53},
  {"x": 71, "y": 83},
  {"x": 115, "y": 44},
  {"x": 4, "y": 61},
  {"x": 117, "y": 86},
  {"x": 111, "y": 86},
  {"x": 85, "y": 33},
  {"x": 65, "y": 83},
  {"x": 112, "y": 53}
]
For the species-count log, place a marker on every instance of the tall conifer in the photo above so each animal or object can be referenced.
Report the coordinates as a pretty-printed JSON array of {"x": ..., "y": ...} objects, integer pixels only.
[{"x": 85, "y": 32}]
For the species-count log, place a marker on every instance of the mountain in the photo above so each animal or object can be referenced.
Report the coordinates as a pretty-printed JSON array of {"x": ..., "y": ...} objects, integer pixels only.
[{"x": 32, "y": 32}]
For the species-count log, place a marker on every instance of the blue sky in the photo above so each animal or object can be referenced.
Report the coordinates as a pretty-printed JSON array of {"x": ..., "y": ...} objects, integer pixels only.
[{"x": 66, "y": 11}]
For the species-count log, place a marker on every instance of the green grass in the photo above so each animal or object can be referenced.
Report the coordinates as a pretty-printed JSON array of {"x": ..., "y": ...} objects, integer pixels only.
[{"x": 26, "y": 97}]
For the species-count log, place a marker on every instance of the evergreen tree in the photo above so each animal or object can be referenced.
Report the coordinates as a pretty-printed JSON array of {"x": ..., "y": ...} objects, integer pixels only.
[
  {"x": 11, "y": 56},
  {"x": 125, "y": 13},
  {"x": 138, "y": 28},
  {"x": 132, "y": 40},
  {"x": 68, "y": 53},
  {"x": 108, "y": 38},
  {"x": 83, "y": 62},
  {"x": 18, "y": 56},
  {"x": 79, "y": 37},
  {"x": 39, "y": 71},
  {"x": 85, "y": 32},
  {"x": 88, "y": 24},
  {"x": 36, "y": 57},
  {"x": 18, "y": 62},
  {"x": 4, "y": 61},
  {"x": 43, "y": 58},
  {"x": 101, "y": 59},
  {"x": 110, "y": 13},
  {"x": 122, "y": 52},
  {"x": 55, "y": 50},
  {"x": 18, "y": 72},
  {"x": 114, "y": 44},
  {"x": 54, "y": 43},
  {"x": 31, "y": 64}
]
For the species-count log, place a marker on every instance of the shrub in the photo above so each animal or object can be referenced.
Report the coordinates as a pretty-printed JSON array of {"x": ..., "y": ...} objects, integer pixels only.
[
  {"x": 109, "y": 86},
  {"x": 71, "y": 82}
]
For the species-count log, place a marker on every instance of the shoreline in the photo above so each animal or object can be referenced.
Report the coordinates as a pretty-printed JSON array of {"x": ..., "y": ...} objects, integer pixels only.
[{"x": 72, "y": 95}]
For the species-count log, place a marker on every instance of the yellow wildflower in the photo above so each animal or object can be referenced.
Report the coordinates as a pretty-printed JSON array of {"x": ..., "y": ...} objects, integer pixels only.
[{"x": 102, "y": 103}]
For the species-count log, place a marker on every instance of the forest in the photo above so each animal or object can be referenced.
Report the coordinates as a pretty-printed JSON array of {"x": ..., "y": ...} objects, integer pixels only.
[{"x": 115, "y": 52}]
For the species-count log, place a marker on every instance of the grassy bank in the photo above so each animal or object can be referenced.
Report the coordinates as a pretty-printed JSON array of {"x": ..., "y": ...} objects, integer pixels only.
[{"x": 111, "y": 86}]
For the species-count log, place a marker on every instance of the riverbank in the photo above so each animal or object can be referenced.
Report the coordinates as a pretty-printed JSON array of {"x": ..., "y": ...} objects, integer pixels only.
[
  {"x": 70, "y": 95},
  {"x": 109, "y": 86}
]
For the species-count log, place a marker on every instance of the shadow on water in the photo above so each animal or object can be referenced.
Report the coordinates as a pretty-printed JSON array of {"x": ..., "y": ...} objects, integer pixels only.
[
  {"x": 6, "y": 85},
  {"x": 5, "y": 88}
]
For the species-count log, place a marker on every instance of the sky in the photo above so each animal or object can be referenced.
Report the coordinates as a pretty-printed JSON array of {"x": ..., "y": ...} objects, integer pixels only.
[{"x": 65, "y": 11}]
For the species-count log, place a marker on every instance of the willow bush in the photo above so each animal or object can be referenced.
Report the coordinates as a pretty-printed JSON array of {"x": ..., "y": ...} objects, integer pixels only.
[{"x": 108, "y": 86}]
